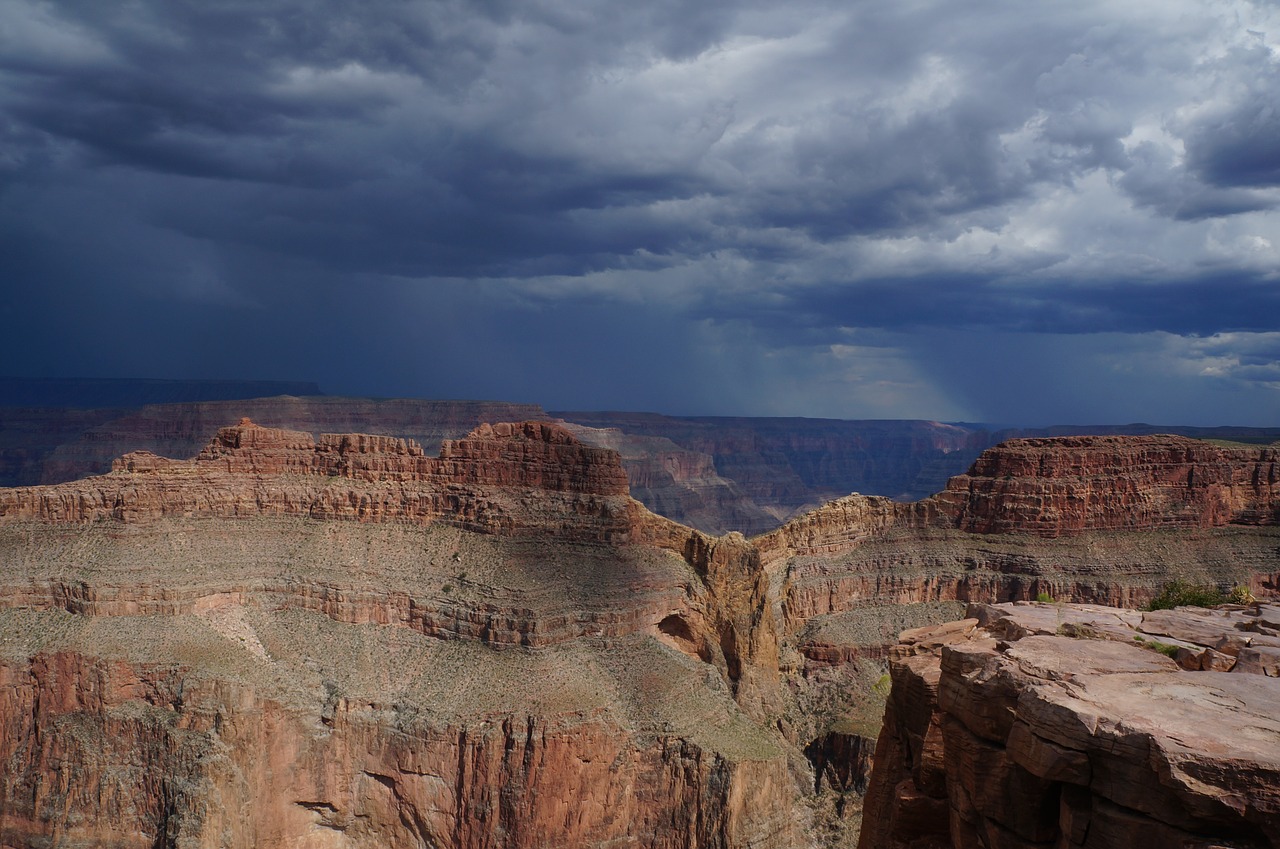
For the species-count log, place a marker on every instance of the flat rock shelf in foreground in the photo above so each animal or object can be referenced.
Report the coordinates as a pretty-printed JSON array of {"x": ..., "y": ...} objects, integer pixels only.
[{"x": 1030, "y": 725}]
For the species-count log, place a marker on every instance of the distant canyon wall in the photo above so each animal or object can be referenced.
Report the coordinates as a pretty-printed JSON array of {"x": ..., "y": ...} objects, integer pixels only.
[{"x": 714, "y": 473}]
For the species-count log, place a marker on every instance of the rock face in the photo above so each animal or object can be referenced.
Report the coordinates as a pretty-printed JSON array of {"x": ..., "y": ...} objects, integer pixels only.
[
  {"x": 1106, "y": 520},
  {"x": 108, "y": 752},
  {"x": 1067, "y": 485},
  {"x": 712, "y": 473},
  {"x": 1098, "y": 519},
  {"x": 1051, "y": 487},
  {"x": 1062, "y": 725},
  {"x": 300, "y": 642},
  {"x": 181, "y": 430},
  {"x": 248, "y": 470},
  {"x": 717, "y": 475}
]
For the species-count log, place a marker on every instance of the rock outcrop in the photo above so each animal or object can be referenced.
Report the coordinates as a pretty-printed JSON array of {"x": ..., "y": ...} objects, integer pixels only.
[
  {"x": 1066, "y": 485},
  {"x": 1028, "y": 725},
  {"x": 302, "y": 642},
  {"x": 195, "y": 742},
  {"x": 713, "y": 473},
  {"x": 1107, "y": 520},
  {"x": 181, "y": 430},
  {"x": 248, "y": 470},
  {"x": 1051, "y": 487},
  {"x": 1097, "y": 519}
]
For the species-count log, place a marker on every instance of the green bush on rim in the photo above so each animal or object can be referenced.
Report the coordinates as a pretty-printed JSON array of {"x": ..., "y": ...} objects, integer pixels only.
[{"x": 1185, "y": 594}]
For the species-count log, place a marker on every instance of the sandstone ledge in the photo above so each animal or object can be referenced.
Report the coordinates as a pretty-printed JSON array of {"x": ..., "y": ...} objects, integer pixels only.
[{"x": 1005, "y": 730}]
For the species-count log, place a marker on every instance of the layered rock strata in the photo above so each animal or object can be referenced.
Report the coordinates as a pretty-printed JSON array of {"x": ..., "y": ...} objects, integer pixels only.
[
  {"x": 182, "y": 430},
  {"x": 1051, "y": 487},
  {"x": 1106, "y": 520},
  {"x": 265, "y": 582},
  {"x": 141, "y": 732},
  {"x": 290, "y": 641},
  {"x": 248, "y": 470},
  {"x": 1061, "y": 487},
  {"x": 1097, "y": 519},
  {"x": 715, "y": 474},
  {"x": 1029, "y": 725},
  {"x": 46, "y": 446}
]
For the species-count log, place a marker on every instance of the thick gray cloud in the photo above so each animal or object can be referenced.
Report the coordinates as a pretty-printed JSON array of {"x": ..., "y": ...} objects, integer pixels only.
[{"x": 819, "y": 208}]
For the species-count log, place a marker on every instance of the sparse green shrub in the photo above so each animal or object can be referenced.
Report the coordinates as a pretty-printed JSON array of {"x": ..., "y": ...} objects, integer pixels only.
[
  {"x": 1044, "y": 598},
  {"x": 1163, "y": 648},
  {"x": 1240, "y": 595},
  {"x": 448, "y": 588},
  {"x": 1185, "y": 594}
]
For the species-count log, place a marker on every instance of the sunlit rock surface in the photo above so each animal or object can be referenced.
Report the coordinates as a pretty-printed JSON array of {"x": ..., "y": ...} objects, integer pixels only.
[{"x": 1082, "y": 726}]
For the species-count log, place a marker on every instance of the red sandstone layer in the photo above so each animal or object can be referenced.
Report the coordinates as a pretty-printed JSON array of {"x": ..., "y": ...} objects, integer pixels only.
[
  {"x": 233, "y": 730},
  {"x": 1062, "y": 486},
  {"x": 248, "y": 470},
  {"x": 1066, "y": 485}
]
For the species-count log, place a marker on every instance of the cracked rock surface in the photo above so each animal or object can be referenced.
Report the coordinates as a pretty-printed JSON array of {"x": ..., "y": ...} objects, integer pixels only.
[{"x": 1042, "y": 725}]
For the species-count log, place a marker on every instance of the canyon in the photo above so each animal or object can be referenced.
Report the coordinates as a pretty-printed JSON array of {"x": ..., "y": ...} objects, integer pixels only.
[{"x": 352, "y": 640}]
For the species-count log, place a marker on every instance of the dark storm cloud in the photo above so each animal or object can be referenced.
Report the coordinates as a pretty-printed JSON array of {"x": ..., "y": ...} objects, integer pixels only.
[
  {"x": 1155, "y": 180},
  {"x": 1234, "y": 144},
  {"x": 1192, "y": 307},
  {"x": 760, "y": 191}
]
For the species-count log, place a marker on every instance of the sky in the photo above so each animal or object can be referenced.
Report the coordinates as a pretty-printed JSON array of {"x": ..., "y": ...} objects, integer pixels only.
[{"x": 992, "y": 211}]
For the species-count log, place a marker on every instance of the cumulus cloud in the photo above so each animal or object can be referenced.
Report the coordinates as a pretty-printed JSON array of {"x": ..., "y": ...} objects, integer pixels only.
[{"x": 737, "y": 183}]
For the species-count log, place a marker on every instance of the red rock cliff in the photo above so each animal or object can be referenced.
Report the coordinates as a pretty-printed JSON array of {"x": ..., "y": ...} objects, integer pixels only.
[
  {"x": 109, "y": 752},
  {"x": 181, "y": 430},
  {"x": 1066, "y": 485},
  {"x": 192, "y": 653},
  {"x": 1072, "y": 518},
  {"x": 249, "y": 470}
]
